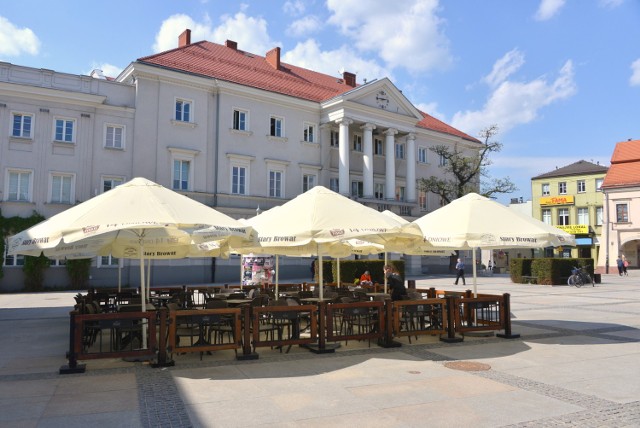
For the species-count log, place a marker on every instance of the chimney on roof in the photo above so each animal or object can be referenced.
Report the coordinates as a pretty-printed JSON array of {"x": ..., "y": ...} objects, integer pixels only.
[
  {"x": 184, "y": 39},
  {"x": 273, "y": 58},
  {"x": 349, "y": 79},
  {"x": 231, "y": 44}
]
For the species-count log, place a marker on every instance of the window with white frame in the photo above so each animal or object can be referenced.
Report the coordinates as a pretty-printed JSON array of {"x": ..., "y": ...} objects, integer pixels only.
[
  {"x": 57, "y": 262},
  {"x": 22, "y": 124},
  {"x": 114, "y": 136},
  {"x": 400, "y": 193},
  {"x": 11, "y": 260},
  {"x": 442, "y": 160},
  {"x": 309, "y": 132},
  {"x": 308, "y": 181},
  {"x": 357, "y": 188},
  {"x": 335, "y": 138},
  {"x": 546, "y": 216},
  {"x": 599, "y": 216},
  {"x": 19, "y": 186},
  {"x": 599, "y": 182},
  {"x": 64, "y": 130},
  {"x": 182, "y": 168},
  {"x": 400, "y": 151},
  {"x": 239, "y": 175},
  {"x": 276, "y": 127},
  {"x": 582, "y": 186},
  {"x": 181, "y": 174},
  {"x": 109, "y": 183},
  {"x": 545, "y": 189},
  {"x": 276, "y": 183},
  {"x": 240, "y": 120},
  {"x": 622, "y": 213},
  {"x": 62, "y": 188},
  {"x": 583, "y": 215},
  {"x": 108, "y": 261},
  {"x": 334, "y": 184},
  {"x": 357, "y": 142},
  {"x": 422, "y": 200},
  {"x": 183, "y": 111},
  {"x": 378, "y": 147},
  {"x": 378, "y": 190},
  {"x": 422, "y": 154},
  {"x": 562, "y": 188},
  {"x": 563, "y": 216}
]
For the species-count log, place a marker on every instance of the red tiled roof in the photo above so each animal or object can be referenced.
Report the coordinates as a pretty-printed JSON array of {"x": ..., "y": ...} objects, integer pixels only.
[
  {"x": 625, "y": 165},
  {"x": 233, "y": 65},
  {"x": 430, "y": 122}
]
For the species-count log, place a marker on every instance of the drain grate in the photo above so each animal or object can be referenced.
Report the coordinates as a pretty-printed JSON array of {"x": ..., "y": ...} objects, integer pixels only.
[{"x": 467, "y": 366}]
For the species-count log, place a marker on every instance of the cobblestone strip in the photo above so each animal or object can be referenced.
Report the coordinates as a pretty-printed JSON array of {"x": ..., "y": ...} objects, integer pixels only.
[
  {"x": 159, "y": 400},
  {"x": 615, "y": 416}
]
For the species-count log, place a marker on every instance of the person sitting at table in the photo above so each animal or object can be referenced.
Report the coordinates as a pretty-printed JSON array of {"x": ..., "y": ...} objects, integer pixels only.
[
  {"x": 365, "y": 279},
  {"x": 395, "y": 282}
]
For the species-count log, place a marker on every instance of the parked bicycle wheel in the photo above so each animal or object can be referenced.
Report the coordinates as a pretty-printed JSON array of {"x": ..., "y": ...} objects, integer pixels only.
[
  {"x": 575, "y": 281},
  {"x": 589, "y": 279}
]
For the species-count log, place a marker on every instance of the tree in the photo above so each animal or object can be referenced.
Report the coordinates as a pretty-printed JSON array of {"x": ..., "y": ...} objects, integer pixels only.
[{"x": 464, "y": 172}]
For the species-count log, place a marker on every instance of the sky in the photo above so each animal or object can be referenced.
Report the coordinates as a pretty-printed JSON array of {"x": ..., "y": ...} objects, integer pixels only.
[{"x": 560, "y": 78}]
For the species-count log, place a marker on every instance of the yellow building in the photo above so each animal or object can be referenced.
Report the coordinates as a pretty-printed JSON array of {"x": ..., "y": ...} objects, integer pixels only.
[{"x": 570, "y": 198}]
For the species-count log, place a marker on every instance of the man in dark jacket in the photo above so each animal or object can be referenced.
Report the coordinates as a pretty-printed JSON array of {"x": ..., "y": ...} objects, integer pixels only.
[{"x": 394, "y": 282}]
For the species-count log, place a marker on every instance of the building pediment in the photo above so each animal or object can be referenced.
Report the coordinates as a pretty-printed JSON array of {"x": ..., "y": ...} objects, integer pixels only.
[{"x": 381, "y": 96}]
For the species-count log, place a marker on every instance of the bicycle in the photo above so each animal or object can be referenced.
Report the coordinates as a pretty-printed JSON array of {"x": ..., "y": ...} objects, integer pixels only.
[{"x": 580, "y": 277}]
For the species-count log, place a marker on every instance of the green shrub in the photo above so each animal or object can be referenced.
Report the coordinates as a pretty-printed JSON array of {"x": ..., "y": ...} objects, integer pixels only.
[{"x": 549, "y": 271}]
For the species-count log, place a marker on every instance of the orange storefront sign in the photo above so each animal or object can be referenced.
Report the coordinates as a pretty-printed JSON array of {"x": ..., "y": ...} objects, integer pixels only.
[{"x": 556, "y": 200}]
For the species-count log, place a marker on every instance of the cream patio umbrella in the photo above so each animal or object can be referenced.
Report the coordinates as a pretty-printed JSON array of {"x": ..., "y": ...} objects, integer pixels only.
[
  {"x": 474, "y": 221},
  {"x": 137, "y": 220},
  {"x": 316, "y": 223}
]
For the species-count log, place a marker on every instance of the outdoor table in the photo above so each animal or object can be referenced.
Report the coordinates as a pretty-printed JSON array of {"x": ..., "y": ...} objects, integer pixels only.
[
  {"x": 160, "y": 300},
  {"x": 136, "y": 307},
  {"x": 237, "y": 302},
  {"x": 374, "y": 295},
  {"x": 314, "y": 300}
]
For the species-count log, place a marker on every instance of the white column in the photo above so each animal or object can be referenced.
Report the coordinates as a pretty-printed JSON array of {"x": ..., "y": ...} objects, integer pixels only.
[
  {"x": 411, "y": 167},
  {"x": 390, "y": 164},
  {"x": 324, "y": 155},
  {"x": 343, "y": 166},
  {"x": 367, "y": 159}
]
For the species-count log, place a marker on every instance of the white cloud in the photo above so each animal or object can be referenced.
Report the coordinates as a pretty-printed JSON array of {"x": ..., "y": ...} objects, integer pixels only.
[
  {"x": 516, "y": 103},
  {"x": 15, "y": 41},
  {"x": 304, "y": 26},
  {"x": 309, "y": 55},
  {"x": 635, "y": 73},
  {"x": 109, "y": 70},
  {"x": 404, "y": 33},
  {"x": 505, "y": 67},
  {"x": 293, "y": 8},
  {"x": 250, "y": 33},
  {"x": 610, "y": 4},
  {"x": 431, "y": 109},
  {"x": 548, "y": 9}
]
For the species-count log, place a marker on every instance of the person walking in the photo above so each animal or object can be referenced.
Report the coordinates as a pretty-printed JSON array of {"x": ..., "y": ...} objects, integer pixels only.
[
  {"x": 395, "y": 282},
  {"x": 460, "y": 272},
  {"x": 620, "y": 265},
  {"x": 625, "y": 265}
]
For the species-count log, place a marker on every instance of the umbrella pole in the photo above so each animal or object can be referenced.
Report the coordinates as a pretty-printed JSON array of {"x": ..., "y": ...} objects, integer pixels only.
[
  {"x": 385, "y": 275},
  {"x": 277, "y": 274},
  {"x": 320, "y": 279},
  {"x": 148, "y": 278},
  {"x": 119, "y": 275},
  {"x": 475, "y": 277},
  {"x": 241, "y": 270},
  {"x": 338, "y": 281},
  {"x": 144, "y": 297}
]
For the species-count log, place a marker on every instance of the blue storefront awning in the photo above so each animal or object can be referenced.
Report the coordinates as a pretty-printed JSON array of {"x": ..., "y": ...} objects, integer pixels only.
[{"x": 584, "y": 241}]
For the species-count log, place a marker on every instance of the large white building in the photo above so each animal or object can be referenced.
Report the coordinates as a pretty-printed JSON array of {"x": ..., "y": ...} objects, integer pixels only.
[{"x": 232, "y": 129}]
